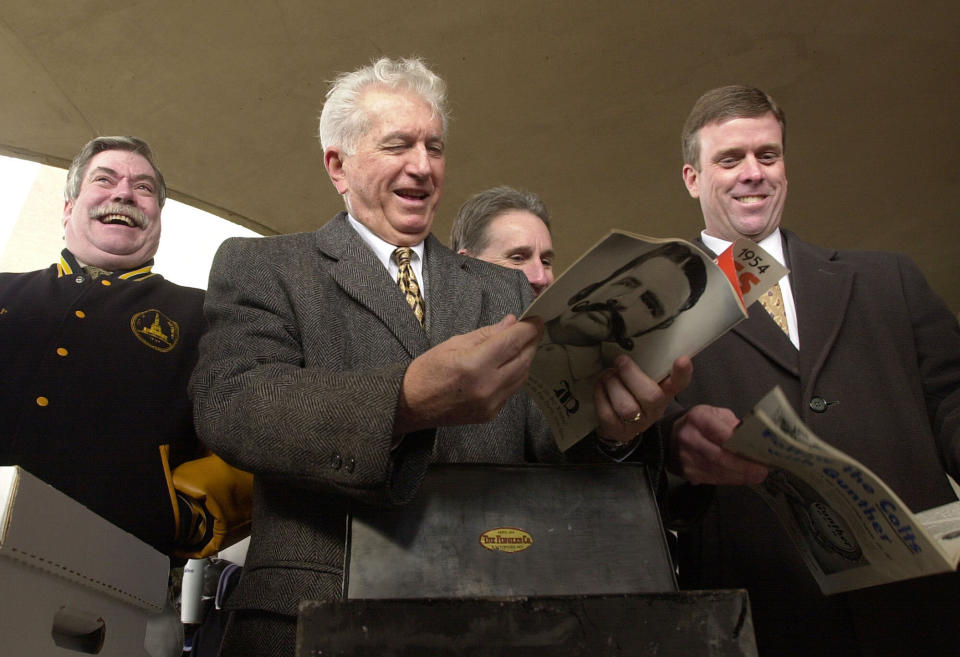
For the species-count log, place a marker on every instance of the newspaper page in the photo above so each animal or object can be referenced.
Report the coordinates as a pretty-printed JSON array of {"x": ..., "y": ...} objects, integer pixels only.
[
  {"x": 851, "y": 529},
  {"x": 653, "y": 299}
]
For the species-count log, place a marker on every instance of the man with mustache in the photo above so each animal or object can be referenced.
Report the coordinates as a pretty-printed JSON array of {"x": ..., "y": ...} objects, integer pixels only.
[
  {"x": 603, "y": 320},
  {"x": 643, "y": 295},
  {"x": 97, "y": 350}
]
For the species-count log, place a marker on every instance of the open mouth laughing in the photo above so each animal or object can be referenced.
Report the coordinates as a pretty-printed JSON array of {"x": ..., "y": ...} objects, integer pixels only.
[
  {"x": 117, "y": 214},
  {"x": 416, "y": 195}
]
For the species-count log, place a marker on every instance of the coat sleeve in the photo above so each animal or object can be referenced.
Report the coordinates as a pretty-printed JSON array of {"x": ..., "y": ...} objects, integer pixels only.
[
  {"x": 937, "y": 343},
  {"x": 262, "y": 408}
]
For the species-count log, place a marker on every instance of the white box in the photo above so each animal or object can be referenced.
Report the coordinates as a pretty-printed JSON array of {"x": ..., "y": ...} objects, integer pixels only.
[{"x": 71, "y": 583}]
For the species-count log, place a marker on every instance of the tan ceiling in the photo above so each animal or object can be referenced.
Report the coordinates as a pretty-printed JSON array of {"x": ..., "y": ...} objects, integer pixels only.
[{"x": 579, "y": 101}]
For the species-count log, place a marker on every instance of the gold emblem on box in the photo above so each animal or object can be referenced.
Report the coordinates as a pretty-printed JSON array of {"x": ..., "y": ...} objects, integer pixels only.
[{"x": 506, "y": 539}]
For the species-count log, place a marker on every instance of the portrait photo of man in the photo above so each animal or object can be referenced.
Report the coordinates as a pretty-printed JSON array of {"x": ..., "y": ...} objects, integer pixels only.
[
  {"x": 644, "y": 295},
  {"x": 617, "y": 299}
]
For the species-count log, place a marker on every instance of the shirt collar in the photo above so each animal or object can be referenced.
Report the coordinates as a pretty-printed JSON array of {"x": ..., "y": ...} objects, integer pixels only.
[
  {"x": 383, "y": 249},
  {"x": 69, "y": 265},
  {"x": 772, "y": 244}
]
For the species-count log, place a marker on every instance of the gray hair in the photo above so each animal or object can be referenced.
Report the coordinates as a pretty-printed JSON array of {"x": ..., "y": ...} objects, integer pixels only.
[
  {"x": 343, "y": 121},
  {"x": 735, "y": 101},
  {"x": 78, "y": 168},
  {"x": 470, "y": 227}
]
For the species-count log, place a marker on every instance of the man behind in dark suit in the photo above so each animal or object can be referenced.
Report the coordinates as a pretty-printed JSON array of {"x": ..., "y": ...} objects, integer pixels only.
[
  {"x": 870, "y": 358},
  {"x": 335, "y": 388}
]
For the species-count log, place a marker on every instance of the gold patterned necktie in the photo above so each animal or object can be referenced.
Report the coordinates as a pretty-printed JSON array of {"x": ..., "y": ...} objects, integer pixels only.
[
  {"x": 772, "y": 301},
  {"x": 407, "y": 281}
]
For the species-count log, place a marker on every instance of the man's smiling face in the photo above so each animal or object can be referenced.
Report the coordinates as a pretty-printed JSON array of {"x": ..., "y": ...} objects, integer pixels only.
[
  {"x": 742, "y": 180},
  {"x": 114, "y": 223},
  {"x": 393, "y": 182}
]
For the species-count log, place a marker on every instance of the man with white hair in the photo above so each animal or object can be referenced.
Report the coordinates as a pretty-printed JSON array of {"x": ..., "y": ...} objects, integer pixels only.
[{"x": 340, "y": 363}]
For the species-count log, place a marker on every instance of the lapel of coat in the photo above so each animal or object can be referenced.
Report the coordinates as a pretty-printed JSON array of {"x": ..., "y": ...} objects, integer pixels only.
[
  {"x": 365, "y": 280},
  {"x": 821, "y": 292},
  {"x": 763, "y": 334},
  {"x": 455, "y": 295}
]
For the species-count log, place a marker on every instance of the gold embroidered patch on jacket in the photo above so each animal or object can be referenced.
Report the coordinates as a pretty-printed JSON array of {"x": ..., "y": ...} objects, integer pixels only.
[{"x": 155, "y": 330}]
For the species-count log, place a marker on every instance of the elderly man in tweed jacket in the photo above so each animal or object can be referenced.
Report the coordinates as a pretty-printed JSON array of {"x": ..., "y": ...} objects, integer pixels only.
[{"x": 336, "y": 388}]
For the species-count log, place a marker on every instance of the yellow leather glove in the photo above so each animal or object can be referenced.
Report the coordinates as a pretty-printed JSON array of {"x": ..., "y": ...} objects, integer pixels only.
[{"x": 215, "y": 503}]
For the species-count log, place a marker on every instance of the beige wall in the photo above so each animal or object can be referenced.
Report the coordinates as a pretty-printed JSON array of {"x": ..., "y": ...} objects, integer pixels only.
[
  {"x": 37, "y": 236},
  {"x": 581, "y": 102}
]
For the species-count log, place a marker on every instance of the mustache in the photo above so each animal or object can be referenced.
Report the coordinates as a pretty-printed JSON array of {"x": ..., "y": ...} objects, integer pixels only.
[
  {"x": 131, "y": 211},
  {"x": 618, "y": 327}
]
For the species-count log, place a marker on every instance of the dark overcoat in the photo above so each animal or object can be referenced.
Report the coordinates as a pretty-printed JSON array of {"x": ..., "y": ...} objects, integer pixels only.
[{"x": 878, "y": 376}]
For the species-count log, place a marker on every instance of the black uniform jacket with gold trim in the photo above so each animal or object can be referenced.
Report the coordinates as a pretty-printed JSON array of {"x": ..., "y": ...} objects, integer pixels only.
[{"x": 93, "y": 382}]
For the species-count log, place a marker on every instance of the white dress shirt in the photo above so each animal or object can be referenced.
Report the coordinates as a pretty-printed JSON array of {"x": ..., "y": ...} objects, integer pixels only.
[{"x": 384, "y": 252}]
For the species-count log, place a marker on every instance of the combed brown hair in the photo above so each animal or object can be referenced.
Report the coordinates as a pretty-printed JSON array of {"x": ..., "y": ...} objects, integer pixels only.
[
  {"x": 722, "y": 104},
  {"x": 470, "y": 226}
]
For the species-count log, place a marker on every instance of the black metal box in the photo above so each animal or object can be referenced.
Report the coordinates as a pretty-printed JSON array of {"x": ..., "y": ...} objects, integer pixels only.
[
  {"x": 684, "y": 624},
  {"x": 524, "y": 530}
]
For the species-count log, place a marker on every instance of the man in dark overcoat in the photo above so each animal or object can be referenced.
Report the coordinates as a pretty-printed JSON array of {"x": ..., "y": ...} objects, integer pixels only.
[{"x": 868, "y": 356}]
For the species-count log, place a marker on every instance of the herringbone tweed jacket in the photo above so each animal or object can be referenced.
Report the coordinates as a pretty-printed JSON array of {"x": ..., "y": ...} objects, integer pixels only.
[{"x": 298, "y": 380}]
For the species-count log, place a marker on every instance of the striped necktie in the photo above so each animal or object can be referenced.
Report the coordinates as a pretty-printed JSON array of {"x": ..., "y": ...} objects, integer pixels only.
[{"x": 407, "y": 281}]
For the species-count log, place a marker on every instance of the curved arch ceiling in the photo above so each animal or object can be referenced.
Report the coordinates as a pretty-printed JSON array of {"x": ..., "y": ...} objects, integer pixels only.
[{"x": 581, "y": 102}]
